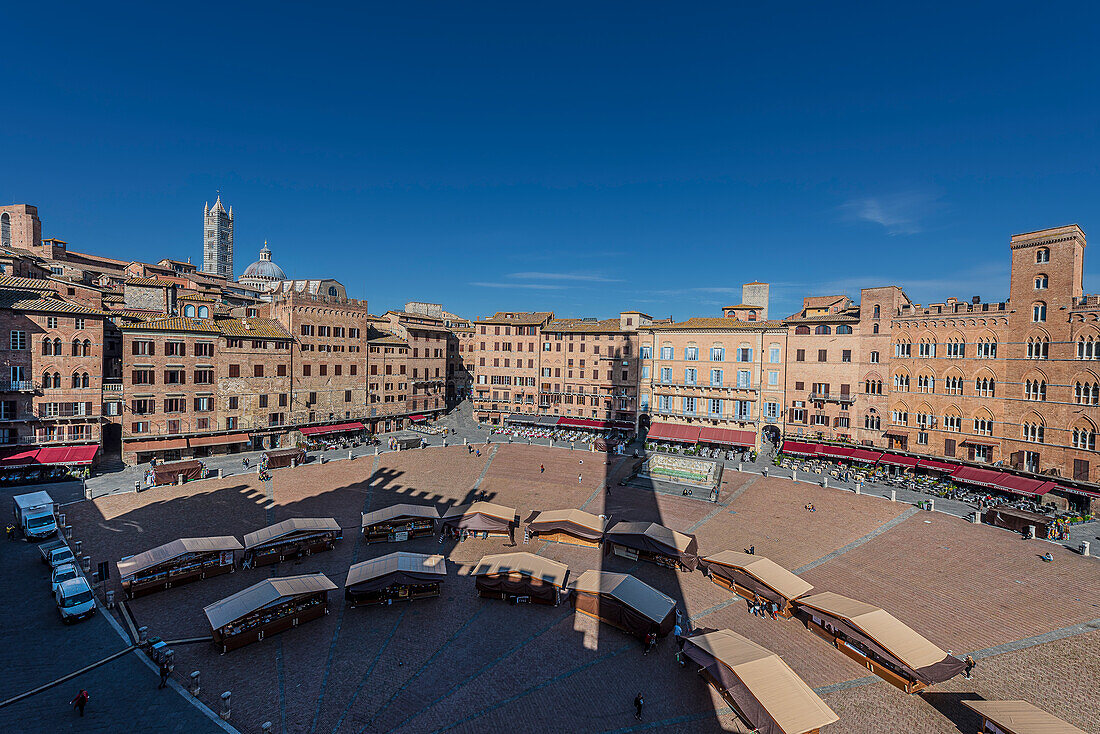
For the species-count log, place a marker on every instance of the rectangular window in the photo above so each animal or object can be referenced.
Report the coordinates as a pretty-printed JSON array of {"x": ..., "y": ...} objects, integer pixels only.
[
  {"x": 234, "y": 370},
  {"x": 800, "y": 355},
  {"x": 79, "y": 323},
  {"x": 666, "y": 352},
  {"x": 280, "y": 370},
  {"x": 715, "y": 406},
  {"x": 204, "y": 405},
  {"x": 204, "y": 349},
  {"x": 646, "y": 351},
  {"x": 175, "y": 349},
  {"x": 874, "y": 358},
  {"x": 263, "y": 401},
  {"x": 744, "y": 379},
  {"x": 174, "y": 405},
  {"x": 822, "y": 355},
  {"x": 716, "y": 378},
  {"x": 233, "y": 403},
  {"x": 846, "y": 355},
  {"x": 141, "y": 347},
  {"x": 773, "y": 355},
  {"x": 143, "y": 377},
  {"x": 690, "y": 376},
  {"x": 717, "y": 354},
  {"x": 689, "y": 405},
  {"x": 257, "y": 370},
  {"x": 204, "y": 377},
  {"x": 773, "y": 377},
  {"x": 645, "y": 371},
  {"x": 174, "y": 377}
]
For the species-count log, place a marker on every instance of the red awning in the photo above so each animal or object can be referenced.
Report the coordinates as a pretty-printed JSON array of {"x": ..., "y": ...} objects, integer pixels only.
[
  {"x": 337, "y": 428},
  {"x": 67, "y": 455},
  {"x": 417, "y": 418},
  {"x": 623, "y": 425},
  {"x": 937, "y": 465},
  {"x": 169, "y": 445},
  {"x": 19, "y": 457},
  {"x": 866, "y": 456},
  {"x": 834, "y": 452},
  {"x": 896, "y": 460},
  {"x": 581, "y": 423},
  {"x": 798, "y": 448},
  {"x": 974, "y": 475},
  {"x": 727, "y": 436},
  {"x": 1071, "y": 490},
  {"x": 670, "y": 432},
  {"x": 1023, "y": 485},
  {"x": 218, "y": 440}
]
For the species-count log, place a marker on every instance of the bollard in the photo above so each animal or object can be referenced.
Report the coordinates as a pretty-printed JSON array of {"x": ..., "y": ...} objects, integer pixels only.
[
  {"x": 61, "y": 518},
  {"x": 764, "y": 471},
  {"x": 376, "y": 451},
  {"x": 110, "y": 599},
  {"x": 137, "y": 486},
  {"x": 859, "y": 488},
  {"x": 225, "y": 705},
  {"x": 143, "y": 635},
  {"x": 86, "y": 564},
  {"x": 349, "y": 454},
  {"x": 1085, "y": 546},
  {"x": 195, "y": 687},
  {"x": 293, "y": 463},
  {"x": 572, "y": 445},
  {"x": 1030, "y": 532},
  {"x": 69, "y": 532},
  {"x": 931, "y": 505},
  {"x": 219, "y": 474},
  {"x": 825, "y": 481},
  {"x": 77, "y": 545},
  {"x": 740, "y": 466},
  {"x": 976, "y": 518},
  {"x": 893, "y": 495},
  {"x": 445, "y": 442},
  {"x": 464, "y": 442},
  {"x": 179, "y": 479},
  {"x": 265, "y": 727}
]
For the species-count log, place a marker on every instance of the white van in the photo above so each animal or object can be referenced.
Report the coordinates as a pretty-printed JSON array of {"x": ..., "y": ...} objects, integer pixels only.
[
  {"x": 64, "y": 572},
  {"x": 75, "y": 600}
]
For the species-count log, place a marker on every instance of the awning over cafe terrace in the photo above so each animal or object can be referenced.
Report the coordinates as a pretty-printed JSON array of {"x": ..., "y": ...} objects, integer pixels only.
[
  {"x": 670, "y": 432},
  {"x": 1003, "y": 481},
  {"x": 50, "y": 456},
  {"x": 337, "y": 428},
  {"x": 726, "y": 436},
  {"x": 218, "y": 440}
]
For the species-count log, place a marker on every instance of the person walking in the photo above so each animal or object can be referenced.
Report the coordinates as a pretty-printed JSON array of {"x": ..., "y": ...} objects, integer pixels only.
[
  {"x": 165, "y": 671},
  {"x": 578, "y": 479},
  {"x": 542, "y": 468},
  {"x": 80, "y": 701},
  {"x": 678, "y": 634},
  {"x": 650, "y": 642},
  {"x": 638, "y": 703},
  {"x": 969, "y": 666}
]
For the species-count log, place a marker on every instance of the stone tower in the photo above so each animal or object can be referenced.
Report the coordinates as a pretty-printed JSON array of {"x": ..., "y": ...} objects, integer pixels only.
[
  {"x": 20, "y": 227},
  {"x": 217, "y": 239}
]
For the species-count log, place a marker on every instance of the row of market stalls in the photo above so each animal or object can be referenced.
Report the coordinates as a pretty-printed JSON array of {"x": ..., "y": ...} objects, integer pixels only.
[
  {"x": 189, "y": 470},
  {"x": 185, "y": 560},
  {"x": 710, "y": 435},
  {"x": 992, "y": 479}
]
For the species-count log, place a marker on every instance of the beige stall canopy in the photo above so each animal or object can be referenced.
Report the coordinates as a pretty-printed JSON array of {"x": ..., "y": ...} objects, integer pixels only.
[
  {"x": 636, "y": 594},
  {"x": 764, "y": 570},
  {"x": 168, "y": 551},
  {"x": 785, "y": 696},
  {"x": 577, "y": 517},
  {"x": 527, "y": 564},
  {"x": 652, "y": 530},
  {"x": 400, "y": 561},
  {"x": 881, "y": 626},
  {"x": 1020, "y": 717},
  {"x": 286, "y": 527},
  {"x": 393, "y": 511},
  {"x": 483, "y": 508},
  {"x": 265, "y": 593}
]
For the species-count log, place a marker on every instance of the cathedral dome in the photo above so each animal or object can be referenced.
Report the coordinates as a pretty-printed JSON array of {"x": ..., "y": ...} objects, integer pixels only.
[{"x": 263, "y": 269}]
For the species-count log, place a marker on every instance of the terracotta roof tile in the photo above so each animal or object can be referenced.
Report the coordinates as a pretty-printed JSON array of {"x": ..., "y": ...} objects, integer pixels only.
[
  {"x": 715, "y": 322},
  {"x": 579, "y": 325},
  {"x": 174, "y": 323},
  {"x": 257, "y": 327},
  {"x": 30, "y": 284},
  {"x": 518, "y": 317},
  {"x": 147, "y": 282},
  {"x": 22, "y": 301}
]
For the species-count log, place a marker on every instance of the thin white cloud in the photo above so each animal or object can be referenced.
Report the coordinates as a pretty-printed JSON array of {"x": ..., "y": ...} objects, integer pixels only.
[
  {"x": 899, "y": 214},
  {"x": 579, "y": 277},
  {"x": 520, "y": 286}
]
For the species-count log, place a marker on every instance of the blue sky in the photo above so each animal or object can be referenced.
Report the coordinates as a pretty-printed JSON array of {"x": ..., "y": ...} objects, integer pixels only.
[{"x": 582, "y": 158}]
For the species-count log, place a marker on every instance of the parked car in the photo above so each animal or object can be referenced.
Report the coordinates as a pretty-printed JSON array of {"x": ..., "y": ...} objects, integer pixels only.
[
  {"x": 55, "y": 553},
  {"x": 62, "y": 573},
  {"x": 75, "y": 600}
]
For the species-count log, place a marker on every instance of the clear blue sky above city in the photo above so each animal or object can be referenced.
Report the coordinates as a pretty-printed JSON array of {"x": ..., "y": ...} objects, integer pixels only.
[{"x": 582, "y": 158}]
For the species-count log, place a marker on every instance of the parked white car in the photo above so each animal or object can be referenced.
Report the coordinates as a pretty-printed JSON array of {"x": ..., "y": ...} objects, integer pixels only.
[
  {"x": 75, "y": 600},
  {"x": 64, "y": 572}
]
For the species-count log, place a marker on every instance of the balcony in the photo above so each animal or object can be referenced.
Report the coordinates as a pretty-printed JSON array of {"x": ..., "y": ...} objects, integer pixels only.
[
  {"x": 828, "y": 397},
  {"x": 704, "y": 415},
  {"x": 66, "y": 411},
  {"x": 112, "y": 386},
  {"x": 704, "y": 385},
  {"x": 18, "y": 386}
]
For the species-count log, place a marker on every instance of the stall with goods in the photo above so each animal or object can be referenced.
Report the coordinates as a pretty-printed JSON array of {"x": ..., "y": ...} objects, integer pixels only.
[
  {"x": 755, "y": 578},
  {"x": 877, "y": 640},
  {"x": 575, "y": 527},
  {"x": 1017, "y": 717},
  {"x": 521, "y": 578},
  {"x": 1020, "y": 521},
  {"x": 179, "y": 562},
  {"x": 282, "y": 458},
  {"x": 398, "y": 523},
  {"x": 291, "y": 538},
  {"x": 395, "y": 577},
  {"x": 651, "y": 542},
  {"x": 267, "y": 608},
  {"x": 170, "y": 473},
  {"x": 481, "y": 519},
  {"x": 624, "y": 601},
  {"x": 757, "y": 684}
]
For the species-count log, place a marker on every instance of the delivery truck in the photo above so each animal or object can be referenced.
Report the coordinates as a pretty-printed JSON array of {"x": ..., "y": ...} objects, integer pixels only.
[{"x": 34, "y": 515}]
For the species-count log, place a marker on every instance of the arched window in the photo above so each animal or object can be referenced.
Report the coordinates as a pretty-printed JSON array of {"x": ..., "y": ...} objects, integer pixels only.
[
  {"x": 5, "y": 230},
  {"x": 1086, "y": 393},
  {"x": 1035, "y": 389},
  {"x": 1084, "y": 436},
  {"x": 47, "y": 347},
  {"x": 57, "y": 380},
  {"x": 1088, "y": 348},
  {"x": 87, "y": 348},
  {"x": 901, "y": 383},
  {"x": 801, "y": 330},
  {"x": 57, "y": 347},
  {"x": 76, "y": 347},
  {"x": 986, "y": 348},
  {"x": 85, "y": 380},
  {"x": 1042, "y": 255},
  {"x": 204, "y": 312},
  {"x": 926, "y": 383},
  {"x": 952, "y": 421},
  {"x": 985, "y": 387},
  {"x": 872, "y": 422},
  {"x": 1038, "y": 347},
  {"x": 76, "y": 379},
  {"x": 874, "y": 328},
  {"x": 844, "y": 329},
  {"x": 189, "y": 311},
  {"x": 47, "y": 380},
  {"x": 983, "y": 425},
  {"x": 1033, "y": 431},
  {"x": 822, "y": 329},
  {"x": 332, "y": 290},
  {"x": 1041, "y": 282},
  {"x": 903, "y": 349},
  {"x": 875, "y": 312},
  {"x": 1039, "y": 312},
  {"x": 926, "y": 348},
  {"x": 752, "y": 314},
  {"x": 953, "y": 385}
]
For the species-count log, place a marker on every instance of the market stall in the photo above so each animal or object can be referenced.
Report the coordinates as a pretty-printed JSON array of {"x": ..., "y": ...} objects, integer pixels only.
[
  {"x": 521, "y": 578},
  {"x": 651, "y": 542},
  {"x": 623, "y": 601},
  {"x": 568, "y": 526},
  {"x": 761, "y": 689},
  {"x": 282, "y": 458},
  {"x": 170, "y": 473},
  {"x": 291, "y": 538},
  {"x": 395, "y": 577},
  {"x": 877, "y": 640},
  {"x": 482, "y": 519},
  {"x": 1017, "y": 717},
  {"x": 755, "y": 578},
  {"x": 1020, "y": 521},
  {"x": 398, "y": 523},
  {"x": 267, "y": 608},
  {"x": 179, "y": 562}
]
